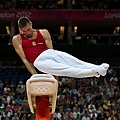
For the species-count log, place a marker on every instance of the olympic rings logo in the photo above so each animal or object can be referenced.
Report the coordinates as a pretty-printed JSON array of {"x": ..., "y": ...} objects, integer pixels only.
[{"x": 41, "y": 89}]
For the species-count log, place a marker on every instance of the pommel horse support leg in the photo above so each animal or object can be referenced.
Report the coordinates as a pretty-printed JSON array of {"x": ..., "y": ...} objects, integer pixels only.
[{"x": 42, "y": 94}]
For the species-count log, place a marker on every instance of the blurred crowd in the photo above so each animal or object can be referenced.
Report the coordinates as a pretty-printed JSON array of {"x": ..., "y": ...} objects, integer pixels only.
[
  {"x": 59, "y": 4},
  {"x": 77, "y": 99},
  {"x": 89, "y": 98},
  {"x": 13, "y": 102},
  {"x": 13, "y": 97}
]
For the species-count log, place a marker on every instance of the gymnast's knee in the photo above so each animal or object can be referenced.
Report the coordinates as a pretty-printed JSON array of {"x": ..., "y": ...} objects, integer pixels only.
[
  {"x": 39, "y": 65},
  {"x": 36, "y": 63}
]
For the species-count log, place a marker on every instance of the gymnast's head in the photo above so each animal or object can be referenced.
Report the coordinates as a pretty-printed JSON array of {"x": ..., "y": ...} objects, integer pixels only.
[
  {"x": 25, "y": 25},
  {"x": 23, "y": 21}
]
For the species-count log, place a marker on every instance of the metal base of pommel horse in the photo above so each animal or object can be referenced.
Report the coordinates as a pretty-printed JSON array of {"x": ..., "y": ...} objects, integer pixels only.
[{"x": 41, "y": 85}]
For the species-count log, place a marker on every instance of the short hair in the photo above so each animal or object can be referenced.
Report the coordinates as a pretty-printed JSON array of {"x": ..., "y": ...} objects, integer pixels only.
[{"x": 23, "y": 21}]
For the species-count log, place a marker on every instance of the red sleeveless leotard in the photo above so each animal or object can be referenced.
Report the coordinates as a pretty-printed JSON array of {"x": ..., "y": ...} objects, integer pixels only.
[{"x": 33, "y": 48}]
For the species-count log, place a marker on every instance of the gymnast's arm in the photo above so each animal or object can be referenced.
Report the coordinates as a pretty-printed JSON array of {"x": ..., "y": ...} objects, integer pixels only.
[
  {"x": 47, "y": 37},
  {"x": 17, "y": 43}
]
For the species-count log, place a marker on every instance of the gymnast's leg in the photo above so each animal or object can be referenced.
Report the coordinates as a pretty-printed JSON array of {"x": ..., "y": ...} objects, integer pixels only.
[{"x": 62, "y": 64}]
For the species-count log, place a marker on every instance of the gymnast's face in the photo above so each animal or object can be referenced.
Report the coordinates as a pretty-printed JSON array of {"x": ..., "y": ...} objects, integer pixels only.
[{"x": 27, "y": 30}]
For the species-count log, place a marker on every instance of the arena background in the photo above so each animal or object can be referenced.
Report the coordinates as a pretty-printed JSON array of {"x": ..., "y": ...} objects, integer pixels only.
[{"x": 87, "y": 29}]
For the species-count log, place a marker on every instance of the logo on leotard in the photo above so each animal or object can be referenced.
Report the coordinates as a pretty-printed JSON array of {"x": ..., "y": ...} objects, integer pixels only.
[{"x": 33, "y": 43}]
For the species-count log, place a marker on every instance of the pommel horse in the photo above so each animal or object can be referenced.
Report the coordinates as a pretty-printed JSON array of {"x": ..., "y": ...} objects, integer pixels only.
[{"x": 42, "y": 94}]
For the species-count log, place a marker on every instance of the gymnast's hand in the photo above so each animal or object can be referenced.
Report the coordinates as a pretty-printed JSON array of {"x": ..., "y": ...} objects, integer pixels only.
[{"x": 59, "y": 83}]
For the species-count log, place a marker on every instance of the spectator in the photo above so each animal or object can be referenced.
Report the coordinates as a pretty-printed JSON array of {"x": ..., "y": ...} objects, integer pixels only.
[
  {"x": 1, "y": 110},
  {"x": 21, "y": 86},
  {"x": 15, "y": 117},
  {"x": 101, "y": 114},
  {"x": 10, "y": 97},
  {"x": 106, "y": 105},
  {"x": 17, "y": 92},
  {"x": 3, "y": 103},
  {"x": 55, "y": 115},
  {"x": 6, "y": 88},
  {"x": 76, "y": 114},
  {"x": 60, "y": 96},
  {"x": 112, "y": 117},
  {"x": 93, "y": 115},
  {"x": 18, "y": 100},
  {"x": 16, "y": 107},
  {"x": 91, "y": 107},
  {"x": 76, "y": 107},
  {"x": 86, "y": 117},
  {"x": 114, "y": 80},
  {"x": 8, "y": 113},
  {"x": 69, "y": 114},
  {"x": 24, "y": 104},
  {"x": 61, "y": 115}
]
